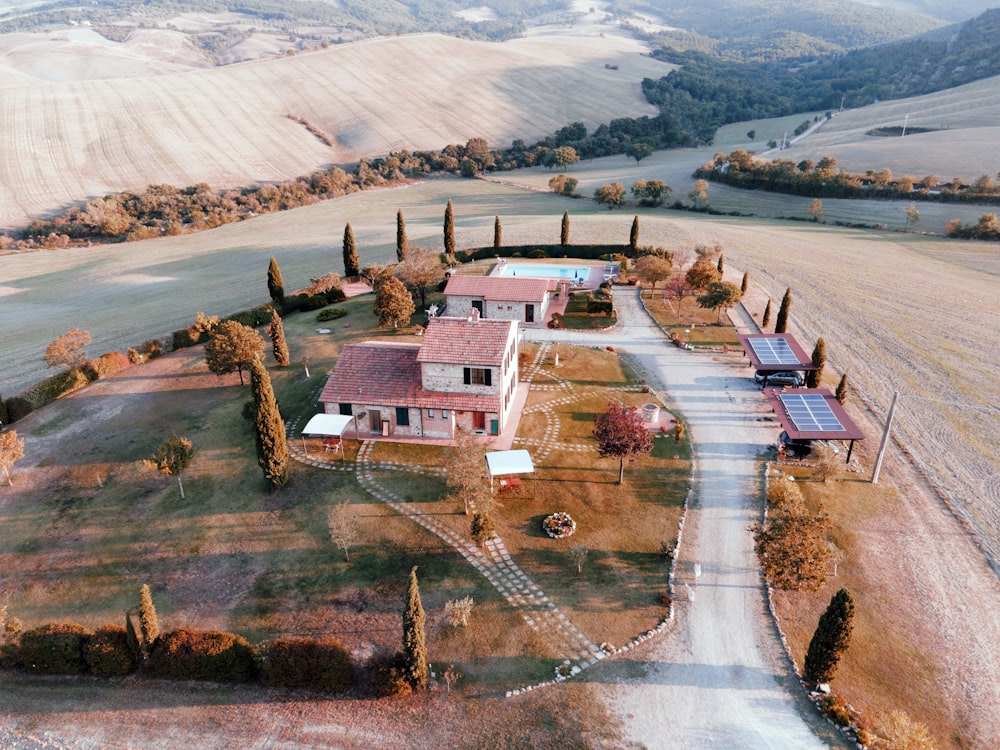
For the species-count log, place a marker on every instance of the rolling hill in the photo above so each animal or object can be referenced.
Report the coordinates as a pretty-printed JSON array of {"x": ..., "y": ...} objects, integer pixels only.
[{"x": 65, "y": 142}]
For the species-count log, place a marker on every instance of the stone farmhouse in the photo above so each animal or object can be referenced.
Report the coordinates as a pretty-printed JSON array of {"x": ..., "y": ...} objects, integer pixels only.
[
  {"x": 463, "y": 373},
  {"x": 501, "y": 297}
]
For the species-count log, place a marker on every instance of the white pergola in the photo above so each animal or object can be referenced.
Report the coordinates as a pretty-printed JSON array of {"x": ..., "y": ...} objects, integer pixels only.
[
  {"x": 510, "y": 463},
  {"x": 327, "y": 426}
]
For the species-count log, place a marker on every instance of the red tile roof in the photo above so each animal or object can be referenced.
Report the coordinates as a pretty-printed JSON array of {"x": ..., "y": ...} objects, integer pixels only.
[
  {"x": 499, "y": 288},
  {"x": 459, "y": 341},
  {"x": 382, "y": 373}
]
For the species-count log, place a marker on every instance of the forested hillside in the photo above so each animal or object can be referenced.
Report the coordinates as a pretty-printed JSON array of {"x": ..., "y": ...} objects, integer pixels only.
[
  {"x": 775, "y": 29},
  {"x": 708, "y": 92}
]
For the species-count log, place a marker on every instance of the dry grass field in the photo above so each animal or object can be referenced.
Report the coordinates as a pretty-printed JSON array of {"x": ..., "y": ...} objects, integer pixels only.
[{"x": 66, "y": 141}]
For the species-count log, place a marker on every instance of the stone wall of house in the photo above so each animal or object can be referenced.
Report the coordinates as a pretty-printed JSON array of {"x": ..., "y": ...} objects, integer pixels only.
[
  {"x": 451, "y": 379},
  {"x": 459, "y": 307}
]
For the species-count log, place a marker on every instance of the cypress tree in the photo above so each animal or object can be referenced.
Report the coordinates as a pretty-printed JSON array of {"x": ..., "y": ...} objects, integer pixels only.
[
  {"x": 449, "y": 229},
  {"x": 351, "y": 267},
  {"x": 132, "y": 638},
  {"x": 831, "y": 639},
  {"x": 564, "y": 231},
  {"x": 633, "y": 236},
  {"x": 746, "y": 282},
  {"x": 149, "y": 625},
  {"x": 414, "y": 637},
  {"x": 815, "y": 377},
  {"x": 497, "y": 233},
  {"x": 842, "y": 389},
  {"x": 401, "y": 241},
  {"x": 767, "y": 315},
  {"x": 721, "y": 266},
  {"x": 3, "y": 410},
  {"x": 272, "y": 448},
  {"x": 277, "y": 333},
  {"x": 781, "y": 324},
  {"x": 275, "y": 286}
]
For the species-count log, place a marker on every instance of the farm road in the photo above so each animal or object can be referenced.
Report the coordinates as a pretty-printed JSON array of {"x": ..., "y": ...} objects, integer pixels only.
[{"x": 721, "y": 679}]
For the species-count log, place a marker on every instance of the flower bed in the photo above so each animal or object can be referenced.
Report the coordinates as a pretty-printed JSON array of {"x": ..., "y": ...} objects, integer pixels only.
[{"x": 559, "y": 525}]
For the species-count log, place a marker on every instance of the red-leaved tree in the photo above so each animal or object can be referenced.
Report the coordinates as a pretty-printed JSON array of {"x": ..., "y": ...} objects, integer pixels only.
[{"x": 622, "y": 434}]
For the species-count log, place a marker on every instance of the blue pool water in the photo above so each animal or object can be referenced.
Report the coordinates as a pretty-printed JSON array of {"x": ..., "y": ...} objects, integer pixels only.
[{"x": 544, "y": 271}]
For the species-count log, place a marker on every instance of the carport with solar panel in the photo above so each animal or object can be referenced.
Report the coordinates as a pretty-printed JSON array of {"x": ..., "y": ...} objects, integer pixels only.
[
  {"x": 775, "y": 352},
  {"x": 813, "y": 414}
]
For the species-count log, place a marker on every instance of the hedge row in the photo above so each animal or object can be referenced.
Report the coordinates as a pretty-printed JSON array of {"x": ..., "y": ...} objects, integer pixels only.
[
  {"x": 255, "y": 317},
  {"x": 585, "y": 252},
  {"x": 213, "y": 656},
  {"x": 47, "y": 391}
]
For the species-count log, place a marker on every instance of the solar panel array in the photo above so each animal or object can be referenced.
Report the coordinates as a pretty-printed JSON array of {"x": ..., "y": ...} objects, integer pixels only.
[
  {"x": 773, "y": 351},
  {"x": 810, "y": 412}
]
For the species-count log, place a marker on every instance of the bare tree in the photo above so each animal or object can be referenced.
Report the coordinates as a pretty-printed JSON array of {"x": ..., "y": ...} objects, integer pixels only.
[
  {"x": 421, "y": 268},
  {"x": 458, "y": 611},
  {"x": 11, "y": 451},
  {"x": 341, "y": 521},
  {"x": 579, "y": 554},
  {"x": 69, "y": 350}
]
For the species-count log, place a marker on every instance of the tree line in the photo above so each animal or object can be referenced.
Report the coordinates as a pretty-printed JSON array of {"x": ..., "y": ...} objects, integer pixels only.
[{"x": 825, "y": 179}]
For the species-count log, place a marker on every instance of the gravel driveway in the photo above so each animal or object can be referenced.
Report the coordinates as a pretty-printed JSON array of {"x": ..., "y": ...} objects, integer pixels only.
[{"x": 721, "y": 678}]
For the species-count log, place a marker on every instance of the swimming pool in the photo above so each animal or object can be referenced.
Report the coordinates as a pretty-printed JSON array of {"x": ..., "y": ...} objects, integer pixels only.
[{"x": 544, "y": 271}]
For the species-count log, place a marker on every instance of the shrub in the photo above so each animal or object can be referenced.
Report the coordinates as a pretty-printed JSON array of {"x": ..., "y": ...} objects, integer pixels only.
[
  {"x": 108, "y": 654},
  {"x": 147, "y": 350},
  {"x": 335, "y": 295},
  {"x": 538, "y": 253},
  {"x": 332, "y": 313},
  {"x": 56, "y": 648},
  {"x": 313, "y": 303},
  {"x": 836, "y": 710},
  {"x": 600, "y": 306},
  {"x": 184, "y": 337},
  {"x": 17, "y": 408},
  {"x": 388, "y": 675},
  {"x": 307, "y": 663},
  {"x": 53, "y": 387},
  {"x": 109, "y": 364},
  {"x": 292, "y": 303},
  {"x": 483, "y": 528},
  {"x": 203, "y": 655},
  {"x": 256, "y": 316}
]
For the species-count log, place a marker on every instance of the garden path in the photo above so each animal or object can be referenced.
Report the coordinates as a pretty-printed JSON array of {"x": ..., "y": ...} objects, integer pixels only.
[
  {"x": 721, "y": 679},
  {"x": 493, "y": 560}
]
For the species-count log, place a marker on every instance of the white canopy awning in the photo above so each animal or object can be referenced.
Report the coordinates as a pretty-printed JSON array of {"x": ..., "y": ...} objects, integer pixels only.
[
  {"x": 327, "y": 424},
  {"x": 503, "y": 463}
]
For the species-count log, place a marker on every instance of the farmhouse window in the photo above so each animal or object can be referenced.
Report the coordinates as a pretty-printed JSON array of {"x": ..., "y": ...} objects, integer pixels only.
[
  {"x": 478, "y": 376},
  {"x": 345, "y": 410},
  {"x": 402, "y": 416}
]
